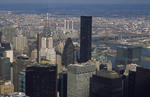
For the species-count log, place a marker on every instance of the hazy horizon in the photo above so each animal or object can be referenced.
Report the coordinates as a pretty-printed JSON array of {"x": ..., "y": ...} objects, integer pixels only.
[{"x": 79, "y": 1}]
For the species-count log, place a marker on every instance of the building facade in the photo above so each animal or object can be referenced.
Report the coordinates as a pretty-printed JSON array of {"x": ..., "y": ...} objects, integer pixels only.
[
  {"x": 22, "y": 82},
  {"x": 6, "y": 87},
  {"x": 20, "y": 43},
  {"x": 85, "y": 38},
  {"x": 128, "y": 55},
  {"x": 78, "y": 79},
  {"x": 68, "y": 56},
  {"x": 41, "y": 81},
  {"x": 106, "y": 84}
]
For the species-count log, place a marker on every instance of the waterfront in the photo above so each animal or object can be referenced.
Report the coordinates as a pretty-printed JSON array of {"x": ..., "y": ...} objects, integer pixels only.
[{"x": 145, "y": 52}]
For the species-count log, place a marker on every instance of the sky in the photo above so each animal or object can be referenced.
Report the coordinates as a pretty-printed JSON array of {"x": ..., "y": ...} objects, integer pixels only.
[{"x": 80, "y": 1}]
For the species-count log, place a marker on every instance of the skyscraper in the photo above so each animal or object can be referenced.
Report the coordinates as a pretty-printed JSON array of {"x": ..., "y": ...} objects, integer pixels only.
[
  {"x": 21, "y": 84},
  {"x": 63, "y": 84},
  {"x": 39, "y": 37},
  {"x": 20, "y": 43},
  {"x": 142, "y": 82},
  {"x": 41, "y": 81},
  {"x": 68, "y": 53},
  {"x": 18, "y": 66},
  {"x": 5, "y": 68},
  {"x": 78, "y": 80},
  {"x": 128, "y": 55},
  {"x": 0, "y": 37},
  {"x": 106, "y": 84},
  {"x": 85, "y": 38}
]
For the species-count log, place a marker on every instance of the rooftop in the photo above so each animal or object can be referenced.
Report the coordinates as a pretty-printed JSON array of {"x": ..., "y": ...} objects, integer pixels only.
[{"x": 108, "y": 74}]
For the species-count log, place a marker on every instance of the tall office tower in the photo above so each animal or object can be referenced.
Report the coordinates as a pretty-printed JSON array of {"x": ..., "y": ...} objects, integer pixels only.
[
  {"x": 68, "y": 53},
  {"x": 34, "y": 55},
  {"x": 128, "y": 80},
  {"x": 41, "y": 81},
  {"x": 43, "y": 43},
  {"x": 128, "y": 55},
  {"x": 106, "y": 84},
  {"x": 78, "y": 81},
  {"x": 50, "y": 42},
  {"x": 9, "y": 54},
  {"x": 63, "y": 84},
  {"x": 47, "y": 50},
  {"x": 85, "y": 38},
  {"x": 43, "y": 50},
  {"x": 142, "y": 82},
  {"x": 5, "y": 68},
  {"x": 59, "y": 51},
  {"x": 39, "y": 36},
  {"x": 68, "y": 26},
  {"x": 51, "y": 53},
  {"x": 20, "y": 43},
  {"x": 18, "y": 66}
]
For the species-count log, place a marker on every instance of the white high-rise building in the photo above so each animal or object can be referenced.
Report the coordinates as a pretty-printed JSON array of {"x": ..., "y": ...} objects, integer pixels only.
[
  {"x": 68, "y": 26},
  {"x": 79, "y": 79},
  {"x": 9, "y": 54},
  {"x": 49, "y": 42},
  {"x": 47, "y": 50},
  {"x": 51, "y": 55},
  {"x": 20, "y": 42},
  {"x": 43, "y": 42}
]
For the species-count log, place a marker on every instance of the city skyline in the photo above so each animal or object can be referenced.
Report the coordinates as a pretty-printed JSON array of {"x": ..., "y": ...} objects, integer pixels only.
[{"x": 74, "y": 48}]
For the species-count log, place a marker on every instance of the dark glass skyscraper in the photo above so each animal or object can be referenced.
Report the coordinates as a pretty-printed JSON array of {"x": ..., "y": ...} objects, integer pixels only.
[
  {"x": 142, "y": 82},
  {"x": 85, "y": 38},
  {"x": 68, "y": 53},
  {"x": 63, "y": 84},
  {"x": 106, "y": 84},
  {"x": 41, "y": 81},
  {"x": 128, "y": 54}
]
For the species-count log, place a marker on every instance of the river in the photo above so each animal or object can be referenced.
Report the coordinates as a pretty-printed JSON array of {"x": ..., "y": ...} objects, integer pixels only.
[{"x": 145, "y": 53}]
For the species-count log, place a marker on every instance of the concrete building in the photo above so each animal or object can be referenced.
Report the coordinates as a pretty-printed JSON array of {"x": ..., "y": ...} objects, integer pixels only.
[
  {"x": 68, "y": 26},
  {"x": 47, "y": 51},
  {"x": 78, "y": 81},
  {"x": 50, "y": 42},
  {"x": 9, "y": 54},
  {"x": 20, "y": 43},
  {"x": 39, "y": 38},
  {"x": 43, "y": 43},
  {"x": 34, "y": 55},
  {"x": 51, "y": 55},
  {"x": 6, "y": 87},
  {"x": 59, "y": 52}
]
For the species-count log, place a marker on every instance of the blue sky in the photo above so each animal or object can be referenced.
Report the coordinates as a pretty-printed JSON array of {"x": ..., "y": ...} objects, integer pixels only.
[{"x": 80, "y": 1}]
